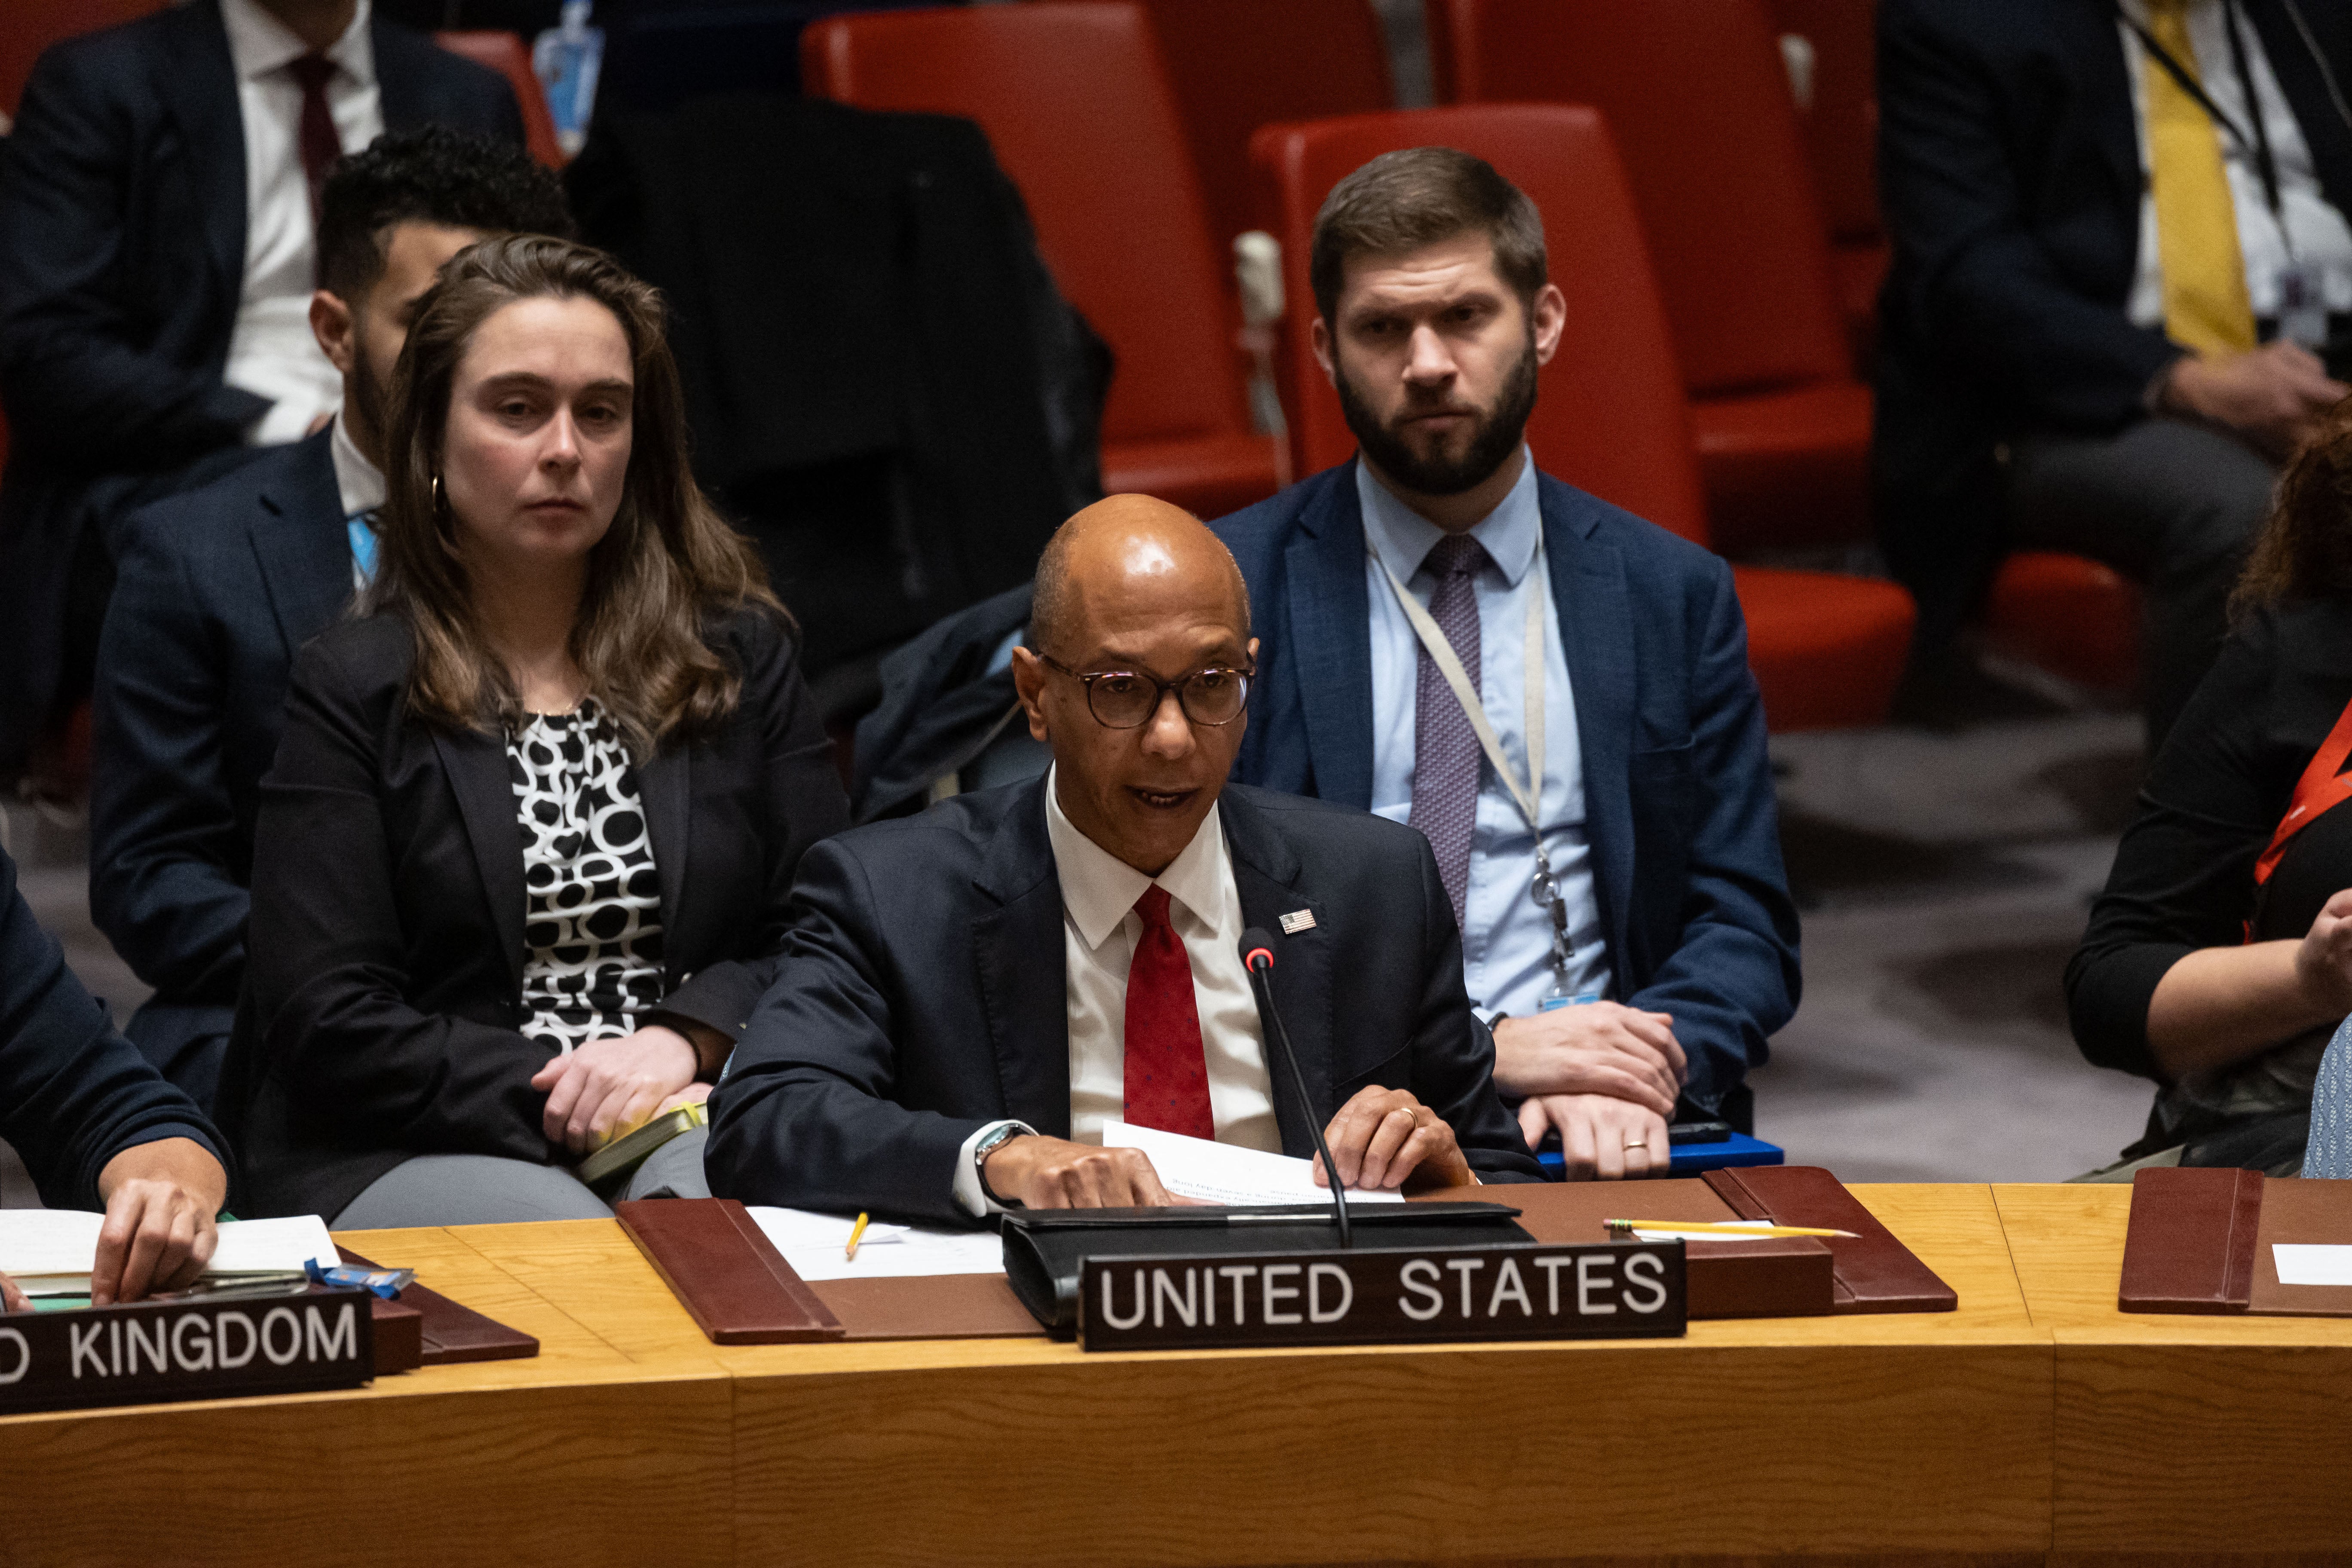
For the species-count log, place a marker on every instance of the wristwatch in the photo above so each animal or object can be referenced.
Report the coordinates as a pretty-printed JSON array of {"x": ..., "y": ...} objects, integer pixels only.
[{"x": 981, "y": 1151}]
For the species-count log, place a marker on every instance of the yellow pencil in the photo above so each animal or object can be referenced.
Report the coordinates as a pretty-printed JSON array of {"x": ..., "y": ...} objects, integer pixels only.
[
  {"x": 851, "y": 1251},
  {"x": 1723, "y": 1227}
]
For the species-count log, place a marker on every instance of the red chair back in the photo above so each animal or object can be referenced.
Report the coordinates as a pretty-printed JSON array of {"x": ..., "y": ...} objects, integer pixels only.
[
  {"x": 1840, "y": 128},
  {"x": 31, "y": 25},
  {"x": 1699, "y": 99},
  {"x": 1077, "y": 104},
  {"x": 508, "y": 55},
  {"x": 1303, "y": 60},
  {"x": 1610, "y": 415}
]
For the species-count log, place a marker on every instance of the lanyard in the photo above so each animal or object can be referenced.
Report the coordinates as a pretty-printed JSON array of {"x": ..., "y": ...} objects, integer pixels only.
[
  {"x": 2323, "y": 787},
  {"x": 1528, "y": 796},
  {"x": 2259, "y": 144}
]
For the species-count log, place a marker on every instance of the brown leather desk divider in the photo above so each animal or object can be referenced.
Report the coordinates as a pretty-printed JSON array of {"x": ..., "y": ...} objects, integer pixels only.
[
  {"x": 2200, "y": 1241},
  {"x": 425, "y": 1328},
  {"x": 1771, "y": 1277},
  {"x": 725, "y": 1272}
]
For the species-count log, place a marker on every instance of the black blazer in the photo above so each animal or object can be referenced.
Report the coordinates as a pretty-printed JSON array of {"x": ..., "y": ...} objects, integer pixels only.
[
  {"x": 73, "y": 1093},
  {"x": 2010, "y": 176},
  {"x": 922, "y": 994},
  {"x": 216, "y": 590},
  {"x": 122, "y": 209},
  {"x": 384, "y": 986},
  {"x": 1678, "y": 802}
]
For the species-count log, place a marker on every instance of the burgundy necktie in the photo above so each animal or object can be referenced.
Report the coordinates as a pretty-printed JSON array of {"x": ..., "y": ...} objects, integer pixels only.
[
  {"x": 1445, "y": 755},
  {"x": 320, "y": 145},
  {"x": 1167, "y": 1075}
]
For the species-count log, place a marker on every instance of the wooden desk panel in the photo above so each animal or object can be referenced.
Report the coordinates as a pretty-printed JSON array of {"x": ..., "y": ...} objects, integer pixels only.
[{"x": 2180, "y": 1434}]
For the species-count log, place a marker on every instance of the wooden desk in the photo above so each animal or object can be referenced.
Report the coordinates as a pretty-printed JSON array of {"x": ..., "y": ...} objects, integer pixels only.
[
  {"x": 2180, "y": 1434},
  {"x": 1866, "y": 1435}
]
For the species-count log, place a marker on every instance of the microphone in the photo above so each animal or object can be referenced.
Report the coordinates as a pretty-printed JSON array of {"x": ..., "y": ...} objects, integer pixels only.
[{"x": 1257, "y": 957}]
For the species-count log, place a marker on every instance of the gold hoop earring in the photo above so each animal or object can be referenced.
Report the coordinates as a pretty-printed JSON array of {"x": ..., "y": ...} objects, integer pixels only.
[{"x": 437, "y": 493}]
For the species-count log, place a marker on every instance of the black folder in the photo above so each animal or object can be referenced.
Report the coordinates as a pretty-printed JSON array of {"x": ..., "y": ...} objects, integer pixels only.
[{"x": 1044, "y": 1248}]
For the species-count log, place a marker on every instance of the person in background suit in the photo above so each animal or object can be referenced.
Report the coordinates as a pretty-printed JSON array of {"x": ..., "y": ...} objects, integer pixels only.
[
  {"x": 216, "y": 589},
  {"x": 967, "y": 996},
  {"x": 158, "y": 205},
  {"x": 1627, "y": 931},
  {"x": 523, "y": 858},
  {"x": 2122, "y": 274},
  {"x": 96, "y": 1125}
]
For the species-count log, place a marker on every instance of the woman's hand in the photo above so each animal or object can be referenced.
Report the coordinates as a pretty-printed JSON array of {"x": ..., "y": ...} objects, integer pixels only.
[{"x": 608, "y": 1086}]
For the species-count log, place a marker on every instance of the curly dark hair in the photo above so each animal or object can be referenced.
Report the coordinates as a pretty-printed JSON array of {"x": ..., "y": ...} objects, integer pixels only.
[
  {"x": 2304, "y": 550},
  {"x": 437, "y": 175}
]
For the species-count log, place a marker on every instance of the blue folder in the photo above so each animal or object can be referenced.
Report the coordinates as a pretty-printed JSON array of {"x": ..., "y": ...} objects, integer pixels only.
[{"x": 1690, "y": 1159}]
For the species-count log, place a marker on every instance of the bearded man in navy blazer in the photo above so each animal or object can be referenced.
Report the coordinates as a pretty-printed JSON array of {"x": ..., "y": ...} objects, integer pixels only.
[
  {"x": 1633, "y": 956},
  {"x": 219, "y": 588},
  {"x": 967, "y": 997}
]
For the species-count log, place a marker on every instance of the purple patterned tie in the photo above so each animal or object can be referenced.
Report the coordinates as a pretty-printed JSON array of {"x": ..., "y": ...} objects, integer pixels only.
[{"x": 1445, "y": 753}]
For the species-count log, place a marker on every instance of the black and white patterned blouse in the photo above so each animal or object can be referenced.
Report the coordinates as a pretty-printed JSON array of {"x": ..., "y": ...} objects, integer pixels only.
[{"x": 592, "y": 931}]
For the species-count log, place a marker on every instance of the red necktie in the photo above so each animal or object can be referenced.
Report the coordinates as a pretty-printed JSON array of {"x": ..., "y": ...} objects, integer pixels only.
[
  {"x": 320, "y": 145},
  {"x": 1167, "y": 1075}
]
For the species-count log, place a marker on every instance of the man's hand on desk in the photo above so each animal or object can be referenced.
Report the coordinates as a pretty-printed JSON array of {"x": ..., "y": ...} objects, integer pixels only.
[
  {"x": 607, "y": 1085},
  {"x": 1052, "y": 1173},
  {"x": 1594, "y": 1048},
  {"x": 1601, "y": 1137},
  {"x": 11, "y": 1299},
  {"x": 1386, "y": 1139},
  {"x": 161, "y": 1200},
  {"x": 2271, "y": 396}
]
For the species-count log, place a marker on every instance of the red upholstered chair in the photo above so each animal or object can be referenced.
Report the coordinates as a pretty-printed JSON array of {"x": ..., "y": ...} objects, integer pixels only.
[
  {"x": 1237, "y": 65},
  {"x": 1699, "y": 99},
  {"x": 2068, "y": 613},
  {"x": 508, "y": 55},
  {"x": 1077, "y": 105},
  {"x": 1610, "y": 415},
  {"x": 28, "y": 27},
  {"x": 1841, "y": 131}
]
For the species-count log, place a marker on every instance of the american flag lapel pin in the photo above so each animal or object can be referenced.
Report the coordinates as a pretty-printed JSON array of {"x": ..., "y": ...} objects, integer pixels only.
[{"x": 1297, "y": 921}]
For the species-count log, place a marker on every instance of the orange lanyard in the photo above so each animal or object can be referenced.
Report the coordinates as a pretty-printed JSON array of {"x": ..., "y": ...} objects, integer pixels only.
[{"x": 2323, "y": 787}]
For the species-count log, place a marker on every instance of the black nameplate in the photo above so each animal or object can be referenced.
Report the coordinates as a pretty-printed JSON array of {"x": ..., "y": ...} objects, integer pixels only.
[
  {"x": 1384, "y": 1295},
  {"x": 157, "y": 1352}
]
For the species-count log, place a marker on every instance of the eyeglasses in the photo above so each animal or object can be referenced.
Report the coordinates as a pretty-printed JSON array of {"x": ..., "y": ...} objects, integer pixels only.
[{"x": 1214, "y": 695}]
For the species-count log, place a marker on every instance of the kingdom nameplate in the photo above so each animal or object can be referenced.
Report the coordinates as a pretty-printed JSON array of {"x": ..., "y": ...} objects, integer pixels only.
[
  {"x": 1379, "y": 1296},
  {"x": 205, "y": 1348}
]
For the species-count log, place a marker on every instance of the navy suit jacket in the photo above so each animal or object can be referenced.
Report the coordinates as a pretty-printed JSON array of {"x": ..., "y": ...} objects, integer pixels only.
[
  {"x": 73, "y": 1093},
  {"x": 216, "y": 591},
  {"x": 1678, "y": 802},
  {"x": 923, "y": 993},
  {"x": 122, "y": 216},
  {"x": 2009, "y": 169}
]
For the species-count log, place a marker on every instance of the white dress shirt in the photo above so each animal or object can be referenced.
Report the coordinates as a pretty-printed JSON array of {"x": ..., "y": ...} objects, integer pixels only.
[
  {"x": 1099, "y": 931},
  {"x": 2314, "y": 234},
  {"x": 1506, "y": 935},
  {"x": 360, "y": 484},
  {"x": 271, "y": 352}
]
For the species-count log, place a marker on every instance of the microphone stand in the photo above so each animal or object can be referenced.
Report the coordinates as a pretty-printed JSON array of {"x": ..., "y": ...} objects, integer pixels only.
[{"x": 1259, "y": 961}]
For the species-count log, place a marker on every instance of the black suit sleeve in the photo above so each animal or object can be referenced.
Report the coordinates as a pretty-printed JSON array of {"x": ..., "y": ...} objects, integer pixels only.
[
  {"x": 1733, "y": 978},
  {"x": 806, "y": 1116},
  {"x": 77, "y": 379},
  {"x": 162, "y": 830},
  {"x": 1998, "y": 304},
  {"x": 328, "y": 972},
  {"x": 73, "y": 1092},
  {"x": 1453, "y": 1055},
  {"x": 801, "y": 792}
]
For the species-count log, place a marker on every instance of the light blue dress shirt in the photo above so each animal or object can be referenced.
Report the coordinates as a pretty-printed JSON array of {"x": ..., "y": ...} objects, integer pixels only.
[{"x": 1506, "y": 935}]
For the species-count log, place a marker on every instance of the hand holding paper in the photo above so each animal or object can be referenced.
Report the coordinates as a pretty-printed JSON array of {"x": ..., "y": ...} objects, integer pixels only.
[
  {"x": 1198, "y": 1171},
  {"x": 161, "y": 1198},
  {"x": 1384, "y": 1138}
]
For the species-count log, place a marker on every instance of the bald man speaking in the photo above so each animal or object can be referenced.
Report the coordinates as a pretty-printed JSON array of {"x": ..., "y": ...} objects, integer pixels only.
[{"x": 968, "y": 995}]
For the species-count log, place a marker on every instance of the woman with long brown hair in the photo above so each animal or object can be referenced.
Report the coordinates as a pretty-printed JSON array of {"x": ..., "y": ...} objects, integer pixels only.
[
  {"x": 2219, "y": 959},
  {"x": 526, "y": 847}
]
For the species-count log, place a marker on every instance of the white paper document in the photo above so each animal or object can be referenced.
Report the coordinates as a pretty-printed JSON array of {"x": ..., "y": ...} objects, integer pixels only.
[
  {"x": 1670, "y": 1234},
  {"x": 50, "y": 1252},
  {"x": 814, "y": 1244},
  {"x": 2308, "y": 1262},
  {"x": 1214, "y": 1173}
]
